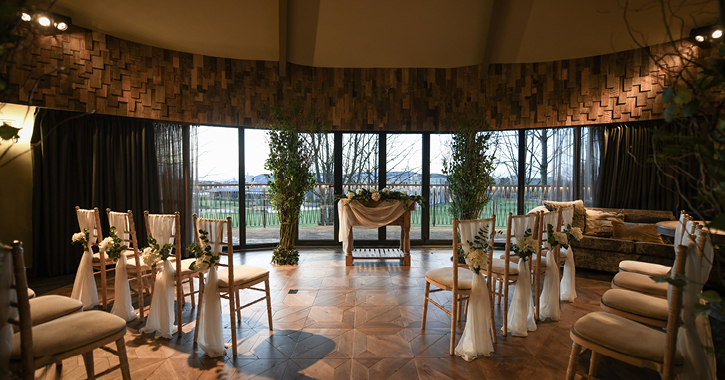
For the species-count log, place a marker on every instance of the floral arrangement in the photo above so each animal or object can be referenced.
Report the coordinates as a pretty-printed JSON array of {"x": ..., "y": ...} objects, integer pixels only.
[
  {"x": 81, "y": 238},
  {"x": 153, "y": 253},
  {"x": 563, "y": 238},
  {"x": 526, "y": 246},
  {"x": 387, "y": 195},
  {"x": 112, "y": 245},
  {"x": 479, "y": 249},
  {"x": 205, "y": 259}
]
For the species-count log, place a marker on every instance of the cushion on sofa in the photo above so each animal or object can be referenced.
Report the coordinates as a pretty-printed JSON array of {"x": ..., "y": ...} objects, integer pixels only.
[
  {"x": 639, "y": 216},
  {"x": 538, "y": 209},
  {"x": 641, "y": 232},
  {"x": 579, "y": 211},
  {"x": 599, "y": 223}
]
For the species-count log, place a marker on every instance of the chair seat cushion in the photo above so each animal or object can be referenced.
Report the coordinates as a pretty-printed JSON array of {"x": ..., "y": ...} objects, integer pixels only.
[
  {"x": 562, "y": 254},
  {"x": 47, "y": 308},
  {"x": 185, "y": 271},
  {"x": 497, "y": 266},
  {"x": 623, "y": 336},
  {"x": 639, "y": 283},
  {"x": 242, "y": 275},
  {"x": 641, "y": 267},
  {"x": 636, "y": 303},
  {"x": 71, "y": 332},
  {"x": 31, "y": 293},
  {"x": 444, "y": 276},
  {"x": 97, "y": 257}
]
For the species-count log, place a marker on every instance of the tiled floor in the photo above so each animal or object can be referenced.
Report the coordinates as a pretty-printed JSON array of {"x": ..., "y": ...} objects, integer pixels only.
[{"x": 360, "y": 322}]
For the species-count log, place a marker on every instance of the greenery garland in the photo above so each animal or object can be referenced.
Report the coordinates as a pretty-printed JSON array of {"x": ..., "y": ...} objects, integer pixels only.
[{"x": 366, "y": 196}]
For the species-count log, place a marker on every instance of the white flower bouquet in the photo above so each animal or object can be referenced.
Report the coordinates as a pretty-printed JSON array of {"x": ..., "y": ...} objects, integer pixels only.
[
  {"x": 526, "y": 246},
  {"x": 556, "y": 238},
  {"x": 479, "y": 250},
  {"x": 152, "y": 254},
  {"x": 112, "y": 245},
  {"x": 365, "y": 195},
  {"x": 205, "y": 259},
  {"x": 574, "y": 233},
  {"x": 81, "y": 238}
]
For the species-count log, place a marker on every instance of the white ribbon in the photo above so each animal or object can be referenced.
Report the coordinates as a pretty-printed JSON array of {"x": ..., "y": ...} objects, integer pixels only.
[
  {"x": 84, "y": 286},
  {"x": 161, "y": 314},
  {"x": 567, "y": 290},
  {"x": 122, "y": 305},
  {"x": 550, "y": 291},
  {"x": 211, "y": 333},
  {"x": 521, "y": 313}
]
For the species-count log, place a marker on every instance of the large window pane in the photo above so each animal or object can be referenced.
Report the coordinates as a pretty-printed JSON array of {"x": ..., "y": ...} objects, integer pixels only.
[
  {"x": 439, "y": 201},
  {"x": 262, "y": 221},
  {"x": 549, "y": 166},
  {"x": 218, "y": 164},
  {"x": 404, "y": 168},
  {"x": 504, "y": 192},
  {"x": 360, "y": 169},
  {"x": 317, "y": 212}
]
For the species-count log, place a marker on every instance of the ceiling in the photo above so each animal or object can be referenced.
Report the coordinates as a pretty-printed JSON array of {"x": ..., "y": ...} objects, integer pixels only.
[{"x": 390, "y": 33}]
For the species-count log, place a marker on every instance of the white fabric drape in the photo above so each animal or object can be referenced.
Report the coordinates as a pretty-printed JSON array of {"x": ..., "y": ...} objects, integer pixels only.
[
  {"x": 567, "y": 288},
  {"x": 161, "y": 314},
  {"x": 694, "y": 334},
  {"x": 355, "y": 214},
  {"x": 84, "y": 286},
  {"x": 521, "y": 318},
  {"x": 550, "y": 291},
  {"x": 122, "y": 305},
  {"x": 476, "y": 339},
  {"x": 211, "y": 333}
]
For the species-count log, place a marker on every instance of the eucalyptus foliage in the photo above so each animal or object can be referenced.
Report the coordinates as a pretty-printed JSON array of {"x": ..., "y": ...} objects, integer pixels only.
[
  {"x": 469, "y": 167},
  {"x": 289, "y": 162}
]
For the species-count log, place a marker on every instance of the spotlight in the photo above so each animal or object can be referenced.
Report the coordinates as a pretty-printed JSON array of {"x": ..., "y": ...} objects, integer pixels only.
[
  {"x": 25, "y": 17},
  {"x": 717, "y": 33},
  {"x": 44, "y": 21},
  {"x": 699, "y": 38},
  {"x": 61, "y": 26}
]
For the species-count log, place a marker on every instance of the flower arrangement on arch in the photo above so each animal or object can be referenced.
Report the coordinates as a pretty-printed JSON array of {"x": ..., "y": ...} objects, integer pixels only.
[
  {"x": 112, "y": 245},
  {"x": 81, "y": 238},
  {"x": 526, "y": 246},
  {"x": 386, "y": 195},
  {"x": 205, "y": 259},
  {"x": 479, "y": 249},
  {"x": 152, "y": 254}
]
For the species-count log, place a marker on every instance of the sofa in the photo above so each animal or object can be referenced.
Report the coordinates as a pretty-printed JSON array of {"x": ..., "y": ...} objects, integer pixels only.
[{"x": 605, "y": 253}]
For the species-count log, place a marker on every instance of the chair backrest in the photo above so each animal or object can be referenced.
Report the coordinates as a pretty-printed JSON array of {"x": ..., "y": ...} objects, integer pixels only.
[
  {"x": 567, "y": 216},
  {"x": 516, "y": 227},
  {"x": 19, "y": 300},
  {"x": 217, "y": 239},
  {"x": 553, "y": 218},
  {"x": 125, "y": 230},
  {"x": 166, "y": 228},
  {"x": 680, "y": 229},
  {"x": 675, "y": 306},
  {"x": 91, "y": 220},
  {"x": 468, "y": 230}
]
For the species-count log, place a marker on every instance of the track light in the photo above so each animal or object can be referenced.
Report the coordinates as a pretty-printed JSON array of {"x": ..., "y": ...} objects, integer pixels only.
[
  {"x": 61, "y": 26},
  {"x": 44, "y": 22},
  {"x": 25, "y": 17},
  {"x": 707, "y": 35}
]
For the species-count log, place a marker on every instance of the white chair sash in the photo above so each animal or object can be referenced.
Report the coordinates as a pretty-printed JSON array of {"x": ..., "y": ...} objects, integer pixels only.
[
  {"x": 694, "y": 334},
  {"x": 161, "y": 314},
  {"x": 122, "y": 305},
  {"x": 84, "y": 286},
  {"x": 211, "y": 333},
  {"x": 521, "y": 314},
  {"x": 550, "y": 291},
  {"x": 476, "y": 339},
  {"x": 567, "y": 287}
]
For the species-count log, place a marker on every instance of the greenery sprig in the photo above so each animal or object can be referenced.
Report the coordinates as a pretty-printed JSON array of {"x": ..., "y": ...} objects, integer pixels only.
[
  {"x": 154, "y": 253},
  {"x": 385, "y": 195},
  {"x": 205, "y": 258},
  {"x": 112, "y": 245},
  {"x": 479, "y": 249},
  {"x": 526, "y": 246},
  {"x": 81, "y": 238}
]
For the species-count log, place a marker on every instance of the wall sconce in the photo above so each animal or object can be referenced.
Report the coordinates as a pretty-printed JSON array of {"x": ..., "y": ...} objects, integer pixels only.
[
  {"x": 707, "y": 36},
  {"x": 45, "y": 22}
]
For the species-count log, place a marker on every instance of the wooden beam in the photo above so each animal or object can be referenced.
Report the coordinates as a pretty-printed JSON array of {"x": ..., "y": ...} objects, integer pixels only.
[{"x": 282, "y": 38}]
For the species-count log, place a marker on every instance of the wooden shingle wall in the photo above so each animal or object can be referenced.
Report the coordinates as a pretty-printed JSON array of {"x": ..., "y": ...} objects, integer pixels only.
[{"x": 89, "y": 71}]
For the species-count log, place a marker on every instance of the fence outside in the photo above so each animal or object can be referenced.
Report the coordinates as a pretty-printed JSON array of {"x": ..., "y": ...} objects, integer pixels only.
[{"x": 221, "y": 200}]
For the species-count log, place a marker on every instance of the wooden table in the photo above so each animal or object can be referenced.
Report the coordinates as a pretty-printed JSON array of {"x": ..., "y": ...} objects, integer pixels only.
[
  {"x": 404, "y": 222},
  {"x": 668, "y": 228}
]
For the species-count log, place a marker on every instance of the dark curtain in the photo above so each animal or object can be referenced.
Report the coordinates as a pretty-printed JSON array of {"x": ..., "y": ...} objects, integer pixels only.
[
  {"x": 89, "y": 161},
  {"x": 628, "y": 177},
  {"x": 175, "y": 144}
]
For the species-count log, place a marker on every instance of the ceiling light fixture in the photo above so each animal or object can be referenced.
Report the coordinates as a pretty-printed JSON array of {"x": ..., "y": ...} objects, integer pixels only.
[
  {"x": 717, "y": 33},
  {"x": 61, "y": 26},
  {"x": 40, "y": 21},
  {"x": 25, "y": 17},
  {"x": 700, "y": 38},
  {"x": 44, "y": 21},
  {"x": 707, "y": 35}
]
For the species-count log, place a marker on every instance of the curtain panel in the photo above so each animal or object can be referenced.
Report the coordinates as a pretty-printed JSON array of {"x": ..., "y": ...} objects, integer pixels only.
[
  {"x": 628, "y": 176},
  {"x": 89, "y": 161}
]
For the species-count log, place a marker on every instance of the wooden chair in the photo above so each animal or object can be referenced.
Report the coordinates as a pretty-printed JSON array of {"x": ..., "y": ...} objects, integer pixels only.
[
  {"x": 183, "y": 273},
  {"x": 100, "y": 262},
  {"x": 52, "y": 342},
  {"x": 457, "y": 279},
  {"x": 629, "y": 341},
  {"x": 505, "y": 271},
  {"x": 232, "y": 278},
  {"x": 142, "y": 274},
  {"x": 539, "y": 268},
  {"x": 652, "y": 269}
]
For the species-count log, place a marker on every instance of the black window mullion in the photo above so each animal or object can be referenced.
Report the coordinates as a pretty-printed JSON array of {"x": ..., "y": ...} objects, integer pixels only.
[
  {"x": 522, "y": 173},
  {"x": 337, "y": 177},
  {"x": 242, "y": 191},
  {"x": 425, "y": 190},
  {"x": 576, "y": 180},
  {"x": 382, "y": 176}
]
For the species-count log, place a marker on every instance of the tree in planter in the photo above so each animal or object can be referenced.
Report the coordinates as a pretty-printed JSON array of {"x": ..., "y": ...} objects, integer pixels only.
[
  {"x": 290, "y": 159},
  {"x": 469, "y": 167}
]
